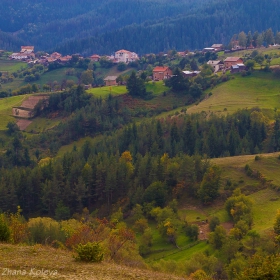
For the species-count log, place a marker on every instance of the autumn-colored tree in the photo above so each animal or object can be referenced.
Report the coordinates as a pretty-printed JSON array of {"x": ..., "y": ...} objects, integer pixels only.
[
  {"x": 209, "y": 188},
  {"x": 18, "y": 227}
]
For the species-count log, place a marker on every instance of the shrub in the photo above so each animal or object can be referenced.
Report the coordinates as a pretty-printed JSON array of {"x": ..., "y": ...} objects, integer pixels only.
[
  {"x": 4, "y": 229},
  {"x": 257, "y": 158},
  {"x": 215, "y": 221},
  {"x": 192, "y": 231},
  {"x": 45, "y": 230},
  {"x": 90, "y": 252}
]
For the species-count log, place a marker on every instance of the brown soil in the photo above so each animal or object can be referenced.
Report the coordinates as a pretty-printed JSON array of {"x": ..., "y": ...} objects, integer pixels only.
[
  {"x": 23, "y": 124},
  {"x": 31, "y": 102}
]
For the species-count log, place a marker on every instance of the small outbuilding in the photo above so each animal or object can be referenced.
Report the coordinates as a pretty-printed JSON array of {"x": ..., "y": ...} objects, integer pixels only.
[{"x": 111, "y": 80}]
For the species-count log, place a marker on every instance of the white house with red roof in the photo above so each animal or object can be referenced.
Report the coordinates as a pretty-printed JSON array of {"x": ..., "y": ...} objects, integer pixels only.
[{"x": 125, "y": 56}]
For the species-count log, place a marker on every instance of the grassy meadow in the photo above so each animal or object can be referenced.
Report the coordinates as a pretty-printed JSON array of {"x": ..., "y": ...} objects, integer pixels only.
[
  {"x": 7, "y": 65},
  {"x": 42, "y": 124},
  {"x": 55, "y": 75},
  {"x": 260, "y": 89},
  {"x": 103, "y": 92},
  {"x": 6, "y": 105}
]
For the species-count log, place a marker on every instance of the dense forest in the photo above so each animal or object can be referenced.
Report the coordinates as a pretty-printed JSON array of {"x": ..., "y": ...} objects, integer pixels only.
[
  {"x": 128, "y": 160},
  {"x": 49, "y": 23},
  {"x": 141, "y": 26}
]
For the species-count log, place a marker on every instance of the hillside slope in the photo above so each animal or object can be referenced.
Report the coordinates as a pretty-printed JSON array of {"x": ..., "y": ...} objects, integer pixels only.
[{"x": 59, "y": 264}]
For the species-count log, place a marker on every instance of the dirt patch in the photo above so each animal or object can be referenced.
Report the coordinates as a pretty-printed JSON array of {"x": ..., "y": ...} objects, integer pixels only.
[
  {"x": 23, "y": 124},
  {"x": 203, "y": 231},
  {"x": 32, "y": 101},
  {"x": 227, "y": 225},
  {"x": 26, "y": 109}
]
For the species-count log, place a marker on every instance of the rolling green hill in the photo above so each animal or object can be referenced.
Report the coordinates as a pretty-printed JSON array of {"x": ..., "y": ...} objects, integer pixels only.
[{"x": 259, "y": 89}]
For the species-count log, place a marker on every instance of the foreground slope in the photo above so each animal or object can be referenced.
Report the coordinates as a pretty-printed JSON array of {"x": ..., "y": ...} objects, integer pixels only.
[{"x": 61, "y": 265}]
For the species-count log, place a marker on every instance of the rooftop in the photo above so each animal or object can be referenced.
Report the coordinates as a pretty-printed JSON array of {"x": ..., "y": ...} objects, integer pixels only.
[{"x": 160, "y": 68}]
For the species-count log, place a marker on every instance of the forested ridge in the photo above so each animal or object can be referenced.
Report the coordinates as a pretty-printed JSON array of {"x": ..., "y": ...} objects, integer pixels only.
[
  {"x": 49, "y": 23},
  {"x": 127, "y": 159},
  {"x": 142, "y": 26}
]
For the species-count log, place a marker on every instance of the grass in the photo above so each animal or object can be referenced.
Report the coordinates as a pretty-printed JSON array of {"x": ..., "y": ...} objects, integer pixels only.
[
  {"x": 62, "y": 264},
  {"x": 266, "y": 204},
  {"x": 6, "y": 105},
  {"x": 156, "y": 87},
  {"x": 41, "y": 124},
  {"x": 275, "y": 61},
  {"x": 55, "y": 75},
  {"x": 266, "y": 201},
  {"x": 11, "y": 65},
  {"x": 187, "y": 254},
  {"x": 257, "y": 90},
  {"x": 103, "y": 92}
]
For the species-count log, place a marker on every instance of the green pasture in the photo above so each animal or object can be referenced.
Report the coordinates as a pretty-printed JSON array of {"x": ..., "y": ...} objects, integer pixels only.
[
  {"x": 266, "y": 201},
  {"x": 6, "y": 105},
  {"x": 266, "y": 204},
  {"x": 275, "y": 61},
  {"x": 55, "y": 75},
  {"x": 103, "y": 92},
  {"x": 11, "y": 65},
  {"x": 41, "y": 124},
  {"x": 156, "y": 87},
  {"x": 257, "y": 90},
  {"x": 15, "y": 84},
  {"x": 187, "y": 253}
]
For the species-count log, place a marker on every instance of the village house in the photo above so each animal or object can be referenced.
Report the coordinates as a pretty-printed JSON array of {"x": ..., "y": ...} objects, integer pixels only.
[
  {"x": 237, "y": 68},
  {"x": 229, "y": 61},
  {"x": 19, "y": 56},
  {"x": 218, "y": 47},
  {"x": 26, "y": 52},
  {"x": 56, "y": 55},
  {"x": 181, "y": 54},
  {"x": 189, "y": 74},
  {"x": 65, "y": 59},
  {"x": 161, "y": 73},
  {"x": 216, "y": 64},
  {"x": 125, "y": 56},
  {"x": 111, "y": 80},
  {"x": 208, "y": 50},
  {"x": 95, "y": 57},
  {"x": 27, "y": 49}
]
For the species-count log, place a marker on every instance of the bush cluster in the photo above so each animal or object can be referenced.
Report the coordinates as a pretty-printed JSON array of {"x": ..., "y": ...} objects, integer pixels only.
[{"x": 90, "y": 252}]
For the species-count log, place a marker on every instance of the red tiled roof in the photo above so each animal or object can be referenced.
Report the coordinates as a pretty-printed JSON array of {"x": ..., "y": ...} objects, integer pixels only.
[
  {"x": 160, "y": 69},
  {"x": 28, "y": 47},
  {"x": 123, "y": 51}
]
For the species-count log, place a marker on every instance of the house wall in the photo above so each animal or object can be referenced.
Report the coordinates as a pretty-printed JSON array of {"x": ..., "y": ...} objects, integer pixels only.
[
  {"x": 162, "y": 75},
  {"x": 228, "y": 64},
  {"x": 125, "y": 57},
  {"x": 111, "y": 83}
]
